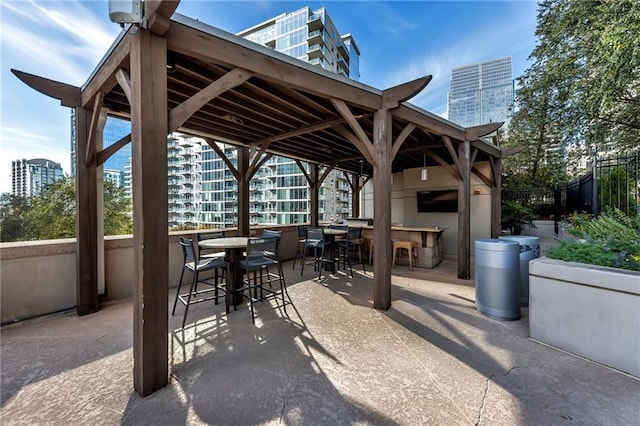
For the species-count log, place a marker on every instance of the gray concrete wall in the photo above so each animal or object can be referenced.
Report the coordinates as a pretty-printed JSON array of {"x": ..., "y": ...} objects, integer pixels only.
[
  {"x": 39, "y": 277},
  {"x": 587, "y": 310}
]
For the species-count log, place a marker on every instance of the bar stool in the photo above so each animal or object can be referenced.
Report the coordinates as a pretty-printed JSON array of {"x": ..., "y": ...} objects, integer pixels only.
[{"x": 409, "y": 246}]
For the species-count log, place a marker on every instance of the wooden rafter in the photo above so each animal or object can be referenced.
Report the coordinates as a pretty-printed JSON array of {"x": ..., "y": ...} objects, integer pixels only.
[
  {"x": 104, "y": 79},
  {"x": 393, "y": 96},
  {"x": 158, "y": 13},
  {"x": 453, "y": 154},
  {"x": 106, "y": 153},
  {"x": 453, "y": 171},
  {"x": 212, "y": 143},
  {"x": 476, "y": 132},
  {"x": 325, "y": 173},
  {"x": 508, "y": 152},
  {"x": 218, "y": 45},
  {"x": 401, "y": 138},
  {"x": 180, "y": 114},
  {"x": 486, "y": 180},
  {"x": 325, "y": 124},
  {"x": 68, "y": 95},
  {"x": 362, "y": 147},
  {"x": 125, "y": 83},
  {"x": 98, "y": 120},
  {"x": 304, "y": 172}
]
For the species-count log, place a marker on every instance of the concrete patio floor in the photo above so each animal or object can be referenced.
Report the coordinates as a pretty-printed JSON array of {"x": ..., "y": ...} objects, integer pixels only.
[{"x": 431, "y": 359}]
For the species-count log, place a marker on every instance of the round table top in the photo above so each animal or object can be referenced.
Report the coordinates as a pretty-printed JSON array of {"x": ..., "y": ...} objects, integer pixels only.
[
  {"x": 225, "y": 242},
  {"x": 333, "y": 231}
]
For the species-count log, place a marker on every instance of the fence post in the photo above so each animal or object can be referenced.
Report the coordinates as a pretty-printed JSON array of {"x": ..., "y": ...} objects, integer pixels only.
[{"x": 594, "y": 195}]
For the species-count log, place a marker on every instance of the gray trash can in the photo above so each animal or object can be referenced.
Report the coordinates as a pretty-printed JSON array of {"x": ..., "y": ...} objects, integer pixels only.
[
  {"x": 498, "y": 278},
  {"x": 529, "y": 250}
]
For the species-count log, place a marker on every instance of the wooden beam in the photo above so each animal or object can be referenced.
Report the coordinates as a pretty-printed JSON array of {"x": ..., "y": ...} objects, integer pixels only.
[
  {"x": 382, "y": 206},
  {"x": 325, "y": 173},
  {"x": 212, "y": 143},
  {"x": 150, "y": 211},
  {"x": 103, "y": 80},
  {"x": 476, "y": 132},
  {"x": 125, "y": 83},
  {"x": 430, "y": 123},
  {"x": 304, "y": 172},
  {"x": 453, "y": 154},
  {"x": 474, "y": 153},
  {"x": 346, "y": 113},
  {"x": 157, "y": 14},
  {"x": 219, "y": 47},
  {"x": 181, "y": 113},
  {"x": 394, "y": 96},
  {"x": 106, "y": 153},
  {"x": 486, "y": 180},
  {"x": 486, "y": 147},
  {"x": 362, "y": 147},
  {"x": 67, "y": 94},
  {"x": 243, "y": 191},
  {"x": 258, "y": 161},
  {"x": 401, "y": 138},
  {"x": 464, "y": 212},
  {"x": 452, "y": 170},
  {"x": 324, "y": 124},
  {"x": 86, "y": 221},
  {"x": 508, "y": 152},
  {"x": 314, "y": 187},
  {"x": 98, "y": 120},
  {"x": 496, "y": 197}
]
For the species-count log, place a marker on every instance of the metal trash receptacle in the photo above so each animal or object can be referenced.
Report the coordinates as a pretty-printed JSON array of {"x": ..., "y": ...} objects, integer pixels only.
[
  {"x": 498, "y": 278},
  {"x": 529, "y": 250}
]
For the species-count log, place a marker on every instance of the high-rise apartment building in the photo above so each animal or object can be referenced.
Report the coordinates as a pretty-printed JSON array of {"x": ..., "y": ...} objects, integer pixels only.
[
  {"x": 278, "y": 193},
  {"x": 309, "y": 36},
  {"x": 29, "y": 177},
  {"x": 481, "y": 93}
]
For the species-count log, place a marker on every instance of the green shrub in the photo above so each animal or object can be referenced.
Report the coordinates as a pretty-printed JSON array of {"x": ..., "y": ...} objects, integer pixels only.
[{"x": 612, "y": 239}]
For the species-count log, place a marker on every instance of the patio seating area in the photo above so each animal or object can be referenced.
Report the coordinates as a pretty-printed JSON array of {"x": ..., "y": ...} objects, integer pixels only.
[{"x": 430, "y": 359}]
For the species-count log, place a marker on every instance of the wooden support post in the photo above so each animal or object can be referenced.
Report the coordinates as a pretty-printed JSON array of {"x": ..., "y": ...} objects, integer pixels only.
[
  {"x": 314, "y": 187},
  {"x": 382, "y": 208},
  {"x": 496, "y": 197},
  {"x": 150, "y": 213},
  {"x": 464, "y": 211},
  {"x": 355, "y": 196},
  {"x": 243, "y": 191},
  {"x": 86, "y": 220}
]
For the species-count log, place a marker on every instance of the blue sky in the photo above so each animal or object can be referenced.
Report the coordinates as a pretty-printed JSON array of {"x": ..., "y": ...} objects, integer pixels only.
[{"x": 398, "y": 40}]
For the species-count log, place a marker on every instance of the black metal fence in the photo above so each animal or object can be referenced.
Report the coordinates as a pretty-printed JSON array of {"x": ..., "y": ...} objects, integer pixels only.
[{"x": 613, "y": 181}]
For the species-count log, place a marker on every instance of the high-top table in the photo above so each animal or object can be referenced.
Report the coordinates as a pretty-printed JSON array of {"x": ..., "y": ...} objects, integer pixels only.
[{"x": 233, "y": 247}]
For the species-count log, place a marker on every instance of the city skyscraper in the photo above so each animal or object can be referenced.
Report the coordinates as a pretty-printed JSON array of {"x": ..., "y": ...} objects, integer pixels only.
[
  {"x": 29, "y": 177},
  {"x": 279, "y": 193},
  {"x": 114, "y": 167},
  {"x": 481, "y": 93},
  {"x": 309, "y": 36}
]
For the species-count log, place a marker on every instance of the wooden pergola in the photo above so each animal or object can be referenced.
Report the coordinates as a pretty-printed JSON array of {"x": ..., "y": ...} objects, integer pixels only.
[{"x": 178, "y": 74}]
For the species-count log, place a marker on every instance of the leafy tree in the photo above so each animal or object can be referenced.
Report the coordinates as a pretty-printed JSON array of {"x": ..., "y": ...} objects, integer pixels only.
[
  {"x": 52, "y": 213},
  {"x": 581, "y": 94},
  {"x": 12, "y": 208}
]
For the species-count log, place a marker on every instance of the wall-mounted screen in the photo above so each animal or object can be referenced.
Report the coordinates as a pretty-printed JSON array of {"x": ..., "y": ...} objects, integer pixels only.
[{"x": 438, "y": 201}]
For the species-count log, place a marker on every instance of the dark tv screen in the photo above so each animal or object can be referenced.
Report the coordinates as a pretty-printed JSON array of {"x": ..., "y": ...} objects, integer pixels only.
[{"x": 438, "y": 201}]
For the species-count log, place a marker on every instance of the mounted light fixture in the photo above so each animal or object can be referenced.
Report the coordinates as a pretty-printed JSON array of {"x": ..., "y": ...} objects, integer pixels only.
[
  {"x": 361, "y": 177},
  {"x": 424, "y": 173}
]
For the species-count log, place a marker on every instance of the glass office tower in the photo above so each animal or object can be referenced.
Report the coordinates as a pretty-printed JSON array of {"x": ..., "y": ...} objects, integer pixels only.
[{"x": 481, "y": 93}]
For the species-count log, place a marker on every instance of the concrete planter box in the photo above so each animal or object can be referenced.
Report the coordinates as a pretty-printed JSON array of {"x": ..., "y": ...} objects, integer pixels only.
[{"x": 587, "y": 310}]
